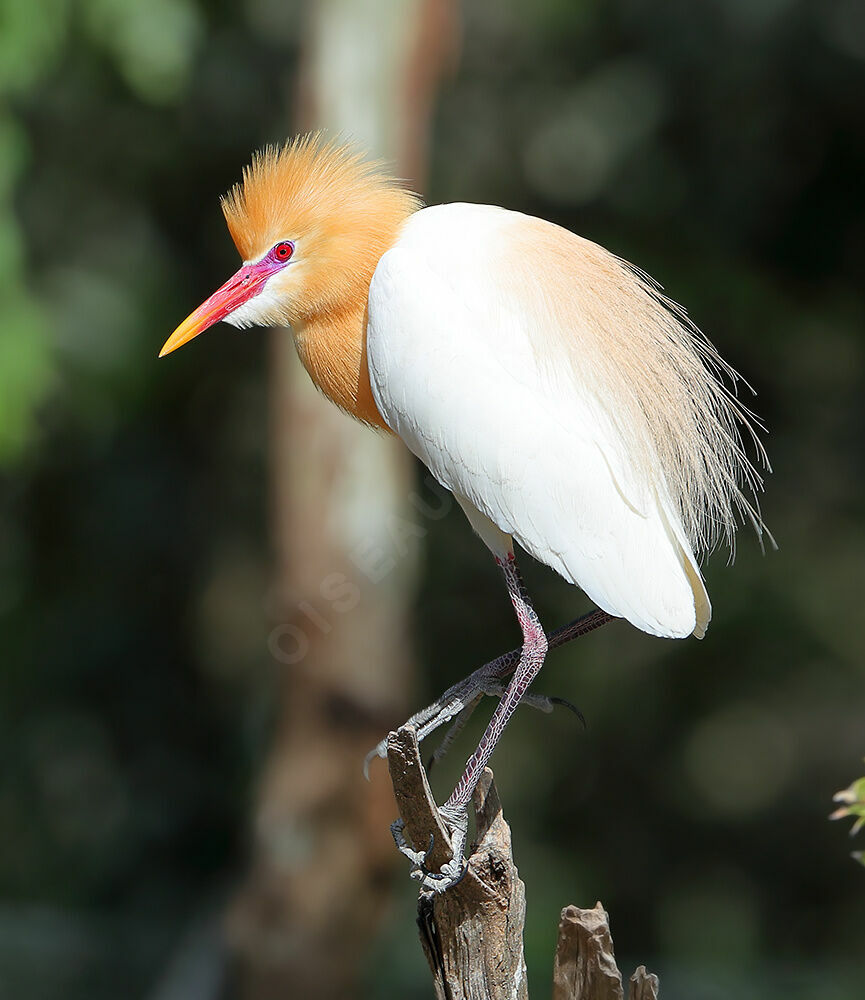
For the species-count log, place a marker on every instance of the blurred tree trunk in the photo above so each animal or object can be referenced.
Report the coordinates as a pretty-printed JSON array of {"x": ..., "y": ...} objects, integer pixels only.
[{"x": 322, "y": 851}]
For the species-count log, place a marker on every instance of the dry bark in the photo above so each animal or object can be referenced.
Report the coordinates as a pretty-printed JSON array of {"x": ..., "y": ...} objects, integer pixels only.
[
  {"x": 644, "y": 985},
  {"x": 585, "y": 966},
  {"x": 472, "y": 934}
]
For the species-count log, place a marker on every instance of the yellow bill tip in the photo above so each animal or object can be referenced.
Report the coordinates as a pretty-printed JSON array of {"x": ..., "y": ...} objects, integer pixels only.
[{"x": 238, "y": 289}]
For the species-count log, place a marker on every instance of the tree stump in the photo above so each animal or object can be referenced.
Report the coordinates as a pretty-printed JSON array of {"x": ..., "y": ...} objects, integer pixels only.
[{"x": 472, "y": 934}]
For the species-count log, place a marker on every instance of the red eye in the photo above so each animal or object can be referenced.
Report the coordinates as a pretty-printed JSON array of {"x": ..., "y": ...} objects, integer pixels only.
[{"x": 283, "y": 251}]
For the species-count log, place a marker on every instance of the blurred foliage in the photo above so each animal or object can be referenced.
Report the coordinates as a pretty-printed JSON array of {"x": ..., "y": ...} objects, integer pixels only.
[
  {"x": 721, "y": 146},
  {"x": 853, "y": 805}
]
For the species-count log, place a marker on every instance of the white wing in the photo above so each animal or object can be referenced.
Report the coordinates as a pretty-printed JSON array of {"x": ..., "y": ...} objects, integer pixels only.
[{"x": 500, "y": 420}]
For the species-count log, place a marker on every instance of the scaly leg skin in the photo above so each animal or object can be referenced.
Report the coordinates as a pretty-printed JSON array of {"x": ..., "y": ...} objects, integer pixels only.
[
  {"x": 458, "y": 700},
  {"x": 449, "y": 705},
  {"x": 542, "y": 702}
]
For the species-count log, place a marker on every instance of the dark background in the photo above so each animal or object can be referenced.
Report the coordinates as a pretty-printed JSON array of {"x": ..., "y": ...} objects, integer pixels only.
[{"x": 721, "y": 146}]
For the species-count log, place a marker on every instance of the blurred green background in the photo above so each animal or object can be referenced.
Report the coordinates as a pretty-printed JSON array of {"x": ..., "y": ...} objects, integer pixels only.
[{"x": 721, "y": 146}]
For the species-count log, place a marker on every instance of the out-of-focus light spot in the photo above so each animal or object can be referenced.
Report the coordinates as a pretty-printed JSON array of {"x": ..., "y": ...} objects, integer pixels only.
[
  {"x": 14, "y": 149},
  {"x": 572, "y": 155},
  {"x": 75, "y": 771},
  {"x": 25, "y": 369},
  {"x": 652, "y": 185},
  {"x": 739, "y": 760},
  {"x": 14, "y": 560},
  {"x": 94, "y": 318},
  {"x": 754, "y": 16},
  {"x": 277, "y": 20},
  {"x": 710, "y": 919},
  {"x": 153, "y": 43},
  {"x": 25, "y": 358},
  {"x": 30, "y": 38},
  {"x": 232, "y": 616},
  {"x": 844, "y": 26}
]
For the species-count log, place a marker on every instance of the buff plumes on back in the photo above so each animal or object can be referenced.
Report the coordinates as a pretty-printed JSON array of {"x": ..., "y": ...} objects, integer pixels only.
[
  {"x": 669, "y": 394},
  {"x": 655, "y": 378}
]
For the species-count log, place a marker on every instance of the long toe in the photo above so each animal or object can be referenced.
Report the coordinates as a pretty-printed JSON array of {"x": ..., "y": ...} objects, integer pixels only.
[{"x": 451, "y": 874}]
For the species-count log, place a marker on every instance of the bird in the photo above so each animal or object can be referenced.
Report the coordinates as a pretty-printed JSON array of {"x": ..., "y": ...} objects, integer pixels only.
[{"x": 567, "y": 404}]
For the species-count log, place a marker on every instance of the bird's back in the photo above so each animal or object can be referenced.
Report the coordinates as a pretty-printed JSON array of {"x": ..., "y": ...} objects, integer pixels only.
[{"x": 548, "y": 384}]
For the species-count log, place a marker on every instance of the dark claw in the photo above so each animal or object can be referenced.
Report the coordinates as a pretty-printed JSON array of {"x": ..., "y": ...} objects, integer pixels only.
[
  {"x": 569, "y": 704},
  {"x": 460, "y": 877},
  {"x": 423, "y": 874},
  {"x": 457, "y": 880},
  {"x": 434, "y": 881}
]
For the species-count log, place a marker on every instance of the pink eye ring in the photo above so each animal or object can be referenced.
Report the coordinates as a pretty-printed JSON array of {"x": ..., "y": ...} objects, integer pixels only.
[{"x": 283, "y": 251}]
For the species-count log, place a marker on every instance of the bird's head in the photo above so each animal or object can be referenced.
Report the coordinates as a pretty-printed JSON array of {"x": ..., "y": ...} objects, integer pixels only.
[{"x": 310, "y": 220}]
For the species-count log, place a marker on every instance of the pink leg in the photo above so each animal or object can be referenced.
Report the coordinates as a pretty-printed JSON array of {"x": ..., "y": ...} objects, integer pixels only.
[
  {"x": 457, "y": 703},
  {"x": 531, "y": 659},
  {"x": 489, "y": 680},
  {"x": 534, "y": 650}
]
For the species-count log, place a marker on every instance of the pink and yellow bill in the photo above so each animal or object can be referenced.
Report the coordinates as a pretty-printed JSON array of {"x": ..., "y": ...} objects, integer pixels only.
[{"x": 239, "y": 288}]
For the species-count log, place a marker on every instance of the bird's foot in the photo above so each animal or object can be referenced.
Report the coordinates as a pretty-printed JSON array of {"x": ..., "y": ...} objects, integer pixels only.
[
  {"x": 461, "y": 698},
  {"x": 450, "y": 873},
  {"x": 545, "y": 703},
  {"x": 456, "y": 706}
]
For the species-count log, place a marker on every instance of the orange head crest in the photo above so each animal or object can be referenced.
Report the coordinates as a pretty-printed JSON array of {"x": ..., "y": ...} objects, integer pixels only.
[{"x": 311, "y": 220}]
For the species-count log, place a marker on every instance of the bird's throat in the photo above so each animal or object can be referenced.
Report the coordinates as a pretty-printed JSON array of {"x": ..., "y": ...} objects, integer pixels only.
[{"x": 332, "y": 347}]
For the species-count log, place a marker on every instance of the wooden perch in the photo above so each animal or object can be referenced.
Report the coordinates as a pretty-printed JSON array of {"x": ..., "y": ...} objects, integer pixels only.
[
  {"x": 472, "y": 934},
  {"x": 585, "y": 967}
]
